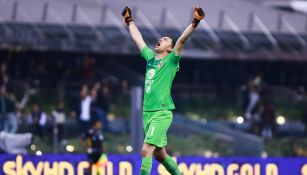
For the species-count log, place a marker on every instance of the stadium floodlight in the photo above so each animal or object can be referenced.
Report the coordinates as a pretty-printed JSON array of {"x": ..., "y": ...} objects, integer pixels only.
[
  {"x": 240, "y": 120},
  {"x": 33, "y": 147},
  {"x": 280, "y": 120},
  {"x": 208, "y": 153},
  {"x": 264, "y": 154},
  {"x": 39, "y": 153},
  {"x": 215, "y": 155},
  {"x": 129, "y": 148},
  {"x": 70, "y": 148}
]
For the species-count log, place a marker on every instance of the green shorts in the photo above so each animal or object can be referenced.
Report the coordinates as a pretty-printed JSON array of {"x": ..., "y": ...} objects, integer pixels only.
[{"x": 156, "y": 124}]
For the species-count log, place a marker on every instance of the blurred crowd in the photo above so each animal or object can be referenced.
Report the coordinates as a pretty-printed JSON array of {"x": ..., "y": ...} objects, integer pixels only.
[
  {"x": 21, "y": 109},
  {"x": 10, "y": 105},
  {"x": 93, "y": 105},
  {"x": 260, "y": 109}
]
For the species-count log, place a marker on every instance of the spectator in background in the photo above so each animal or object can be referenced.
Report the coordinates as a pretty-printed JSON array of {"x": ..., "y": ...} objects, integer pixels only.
[
  {"x": 98, "y": 109},
  {"x": 92, "y": 141},
  {"x": 4, "y": 77},
  {"x": 20, "y": 105},
  {"x": 38, "y": 119},
  {"x": 8, "y": 119},
  {"x": 244, "y": 96},
  {"x": 88, "y": 69},
  {"x": 305, "y": 117},
  {"x": 300, "y": 94},
  {"x": 96, "y": 112},
  {"x": 102, "y": 103},
  {"x": 253, "y": 100},
  {"x": 268, "y": 120},
  {"x": 96, "y": 88},
  {"x": 59, "y": 120},
  {"x": 85, "y": 109},
  {"x": 125, "y": 87}
]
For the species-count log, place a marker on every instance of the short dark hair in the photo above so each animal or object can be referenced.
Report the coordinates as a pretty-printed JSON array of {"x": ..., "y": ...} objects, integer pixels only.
[{"x": 173, "y": 42}]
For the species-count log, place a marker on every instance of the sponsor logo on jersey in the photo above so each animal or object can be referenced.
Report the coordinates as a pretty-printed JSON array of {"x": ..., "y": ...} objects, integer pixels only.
[
  {"x": 150, "y": 74},
  {"x": 148, "y": 82}
]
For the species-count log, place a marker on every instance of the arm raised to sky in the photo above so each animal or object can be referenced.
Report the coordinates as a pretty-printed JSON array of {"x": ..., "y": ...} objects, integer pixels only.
[
  {"x": 199, "y": 14},
  {"x": 134, "y": 31}
]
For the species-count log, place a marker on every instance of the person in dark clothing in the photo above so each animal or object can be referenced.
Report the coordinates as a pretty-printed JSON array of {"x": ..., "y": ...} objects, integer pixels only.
[
  {"x": 92, "y": 141},
  {"x": 38, "y": 119},
  {"x": 305, "y": 118},
  {"x": 8, "y": 120},
  {"x": 100, "y": 104},
  {"x": 268, "y": 119},
  {"x": 103, "y": 98},
  {"x": 4, "y": 76}
]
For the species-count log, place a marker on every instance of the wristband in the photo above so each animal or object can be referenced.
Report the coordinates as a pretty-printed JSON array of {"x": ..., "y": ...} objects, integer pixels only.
[{"x": 195, "y": 22}]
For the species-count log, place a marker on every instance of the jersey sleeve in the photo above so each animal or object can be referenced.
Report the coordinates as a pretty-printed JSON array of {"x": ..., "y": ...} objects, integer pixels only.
[
  {"x": 147, "y": 53},
  {"x": 174, "y": 60}
]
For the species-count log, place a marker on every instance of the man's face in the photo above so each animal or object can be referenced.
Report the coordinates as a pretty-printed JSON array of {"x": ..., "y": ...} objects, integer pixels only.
[
  {"x": 84, "y": 91},
  {"x": 2, "y": 90},
  {"x": 98, "y": 125},
  {"x": 164, "y": 44},
  {"x": 35, "y": 108},
  {"x": 61, "y": 105},
  {"x": 3, "y": 68}
]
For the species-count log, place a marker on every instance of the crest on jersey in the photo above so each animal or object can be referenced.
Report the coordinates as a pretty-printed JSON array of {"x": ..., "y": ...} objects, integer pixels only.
[{"x": 160, "y": 65}]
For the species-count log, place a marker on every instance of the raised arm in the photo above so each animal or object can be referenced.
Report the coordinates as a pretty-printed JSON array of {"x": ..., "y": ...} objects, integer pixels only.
[
  {"x": 134, "y": 31},
  {"x": 199, "y": 14}
]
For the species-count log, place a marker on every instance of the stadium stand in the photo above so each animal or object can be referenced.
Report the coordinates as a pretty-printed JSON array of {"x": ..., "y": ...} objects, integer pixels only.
[{"x": 236, "y": 32}]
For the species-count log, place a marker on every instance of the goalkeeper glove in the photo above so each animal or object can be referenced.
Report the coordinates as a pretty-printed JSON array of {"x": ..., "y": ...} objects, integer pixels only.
[
  {"x": 199, "y": 14},
  {"x": 127, "y": 15}
]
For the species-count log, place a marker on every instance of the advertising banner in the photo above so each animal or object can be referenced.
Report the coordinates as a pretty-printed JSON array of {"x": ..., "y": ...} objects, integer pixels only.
[{"x": 77, "y": 164}]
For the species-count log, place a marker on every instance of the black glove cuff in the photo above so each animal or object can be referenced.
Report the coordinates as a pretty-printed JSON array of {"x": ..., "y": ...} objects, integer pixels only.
[
  {"x": 128, "y": 20},
  {"x": 195, "y": 22}
]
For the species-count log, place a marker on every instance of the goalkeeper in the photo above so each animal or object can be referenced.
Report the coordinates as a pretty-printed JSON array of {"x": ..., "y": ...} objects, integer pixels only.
[{"x": 161, "y": 68}]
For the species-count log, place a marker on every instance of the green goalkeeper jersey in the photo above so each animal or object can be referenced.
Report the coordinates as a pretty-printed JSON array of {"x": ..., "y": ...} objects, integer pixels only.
[{"x": 158, "y": 80}]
